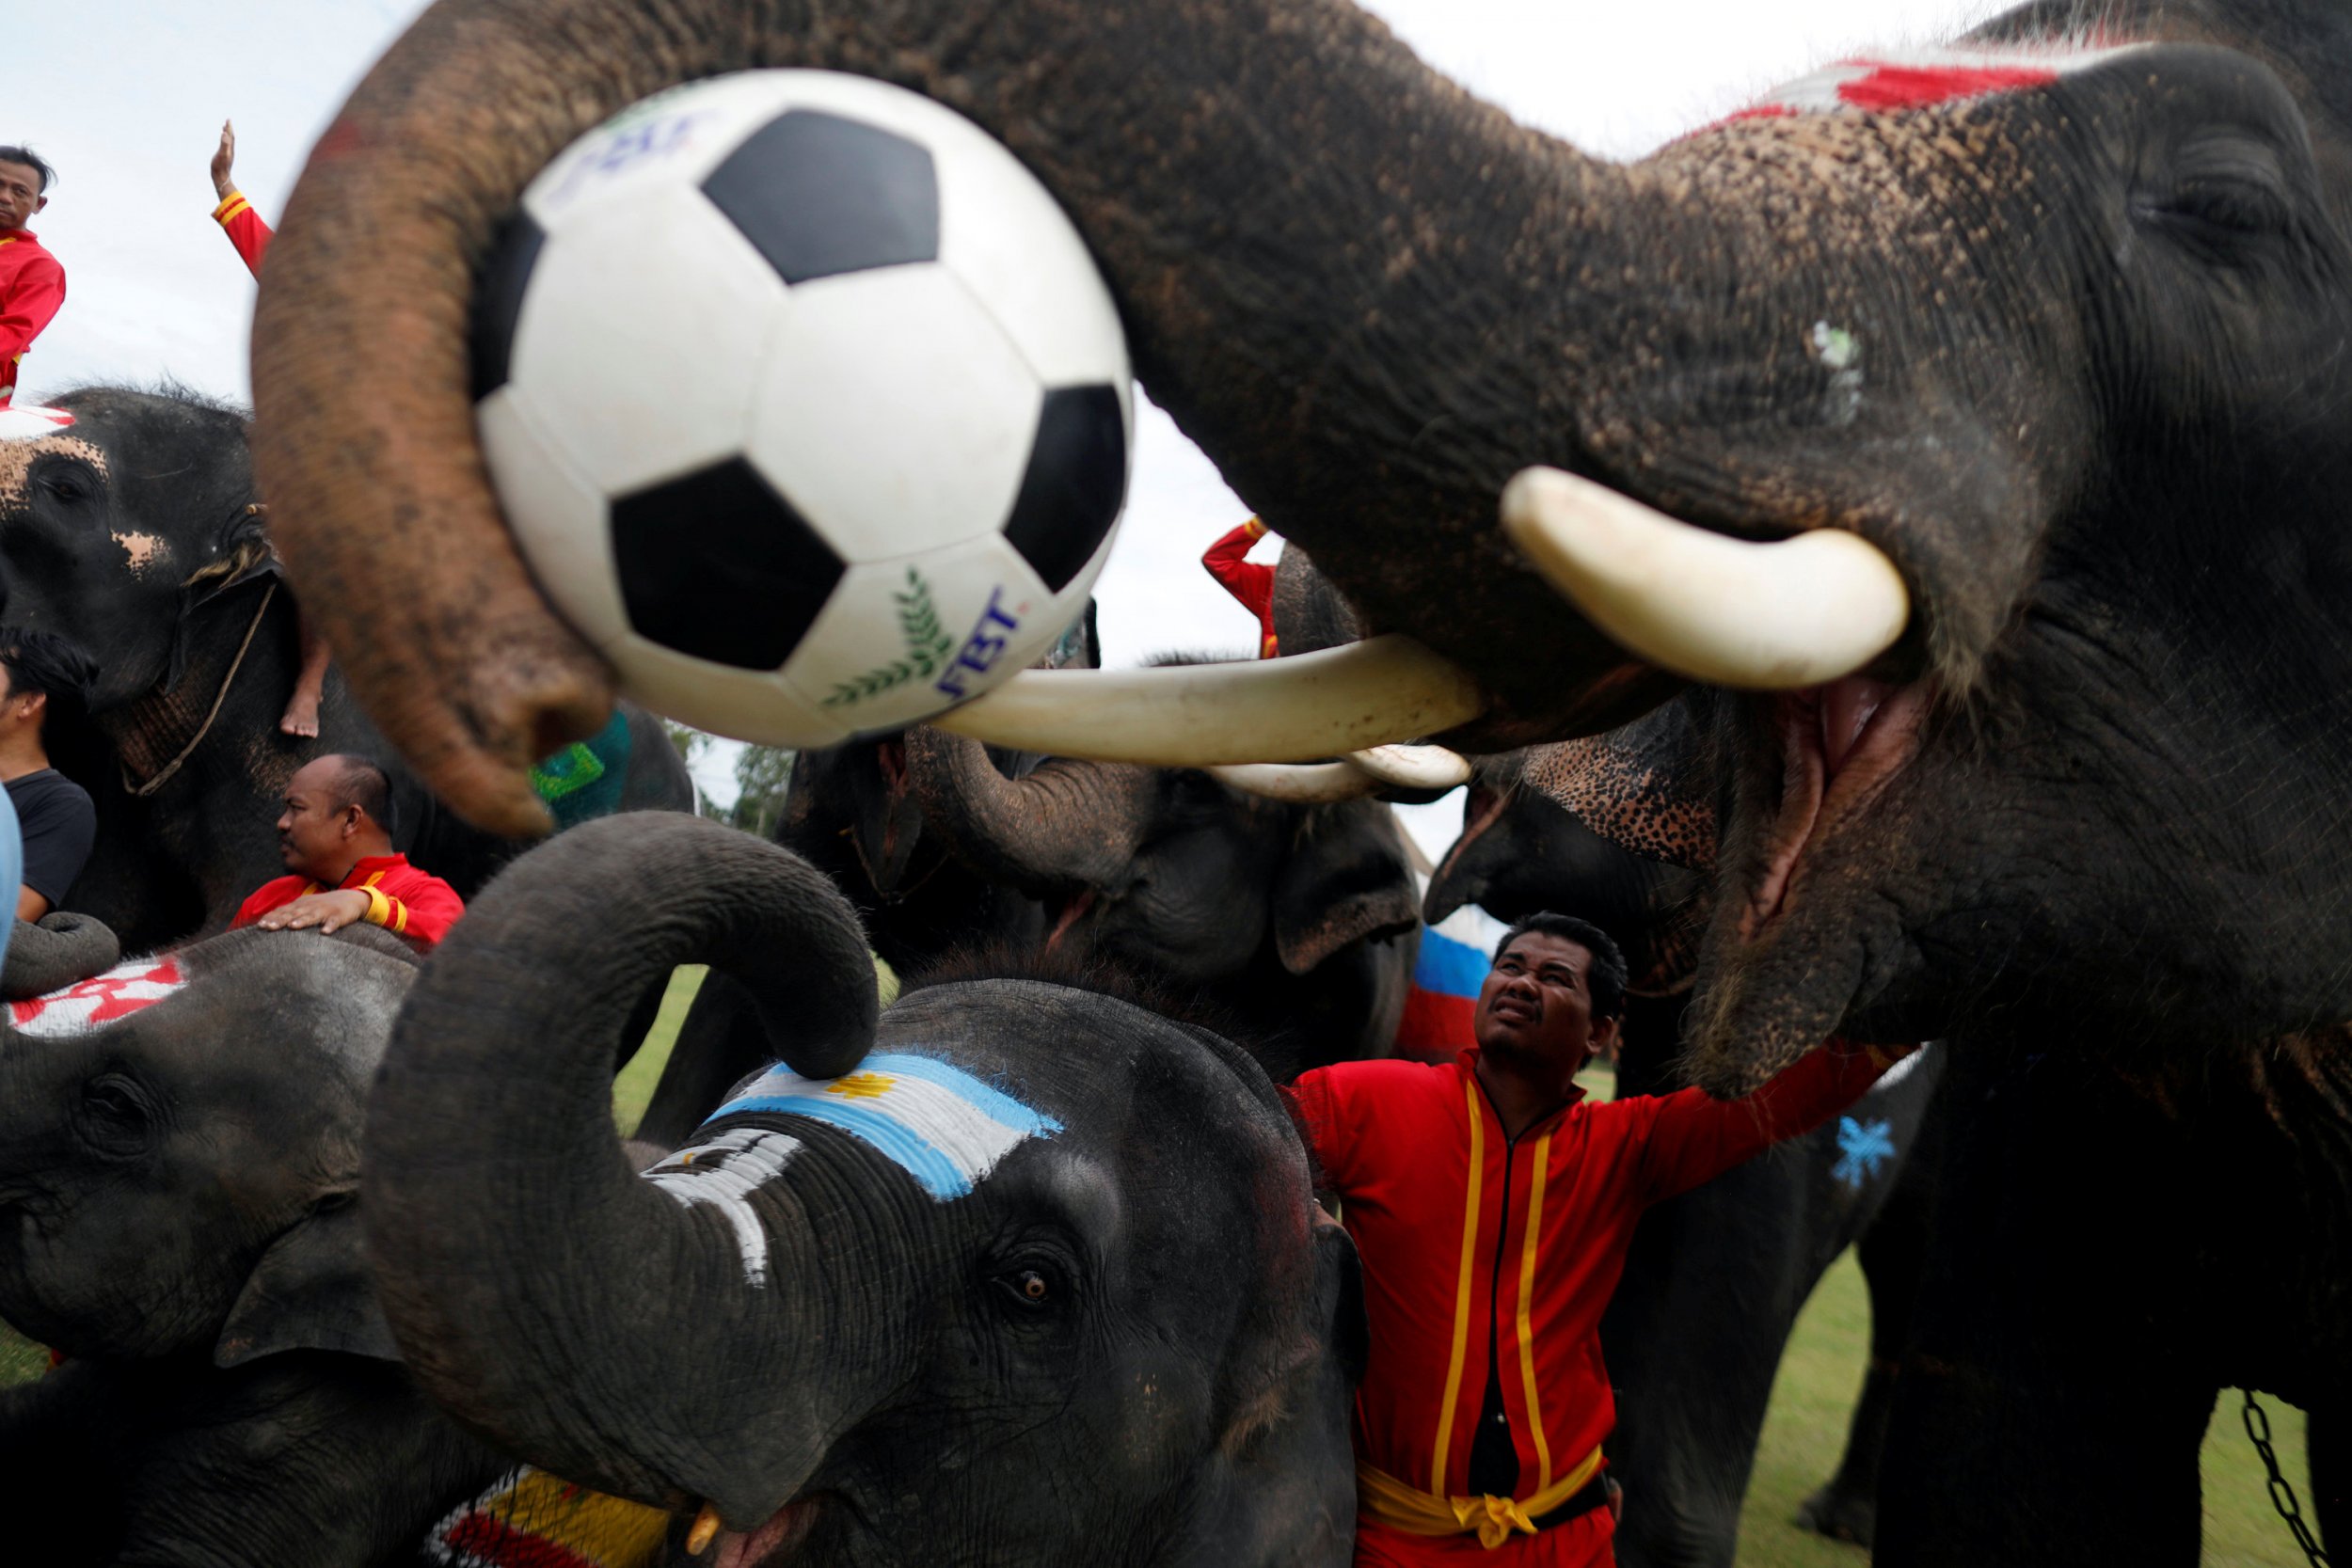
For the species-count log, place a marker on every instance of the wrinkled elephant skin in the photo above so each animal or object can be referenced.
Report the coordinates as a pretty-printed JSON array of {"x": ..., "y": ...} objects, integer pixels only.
[
  {"x": 179, "y": 1176},
  {"x": 1039, "y": 1281}
]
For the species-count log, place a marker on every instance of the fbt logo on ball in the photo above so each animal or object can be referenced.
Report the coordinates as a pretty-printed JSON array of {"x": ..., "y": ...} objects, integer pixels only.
[
  {"x": 981, "y": 650},
  {"x": 633, "y": 138}
]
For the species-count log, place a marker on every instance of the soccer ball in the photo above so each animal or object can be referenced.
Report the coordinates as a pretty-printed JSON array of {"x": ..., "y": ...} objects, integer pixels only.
[{"x": 804, "y": 401}]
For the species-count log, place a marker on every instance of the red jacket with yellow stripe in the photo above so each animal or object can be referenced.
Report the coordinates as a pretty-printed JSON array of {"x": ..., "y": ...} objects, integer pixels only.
[
  {"x": 245, "y": 228},
  {"x": 1475, "y": 1245},
  {"x": 401, "y": 898},
  {"x": 1252, "y": 585},
  {"x": 32, "y": 287}
]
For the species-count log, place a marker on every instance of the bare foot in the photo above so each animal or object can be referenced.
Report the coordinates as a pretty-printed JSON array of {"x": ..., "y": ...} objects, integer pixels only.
[{"x": 302, "y": 717}]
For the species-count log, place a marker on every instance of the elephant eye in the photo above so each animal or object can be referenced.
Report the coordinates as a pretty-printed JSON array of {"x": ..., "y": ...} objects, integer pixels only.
[
  {"x": 116, "y": 1116},
  {"x": 1032, "y": 1287}
]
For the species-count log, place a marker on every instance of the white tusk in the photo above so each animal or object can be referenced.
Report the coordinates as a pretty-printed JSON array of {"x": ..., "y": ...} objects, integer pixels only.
[
  {"x": 1413, "y": 766},
  {"x": 1763, "y": 617},
  {"x": 1318, "y": 705},
  {"x": 1305, "y": 782}
]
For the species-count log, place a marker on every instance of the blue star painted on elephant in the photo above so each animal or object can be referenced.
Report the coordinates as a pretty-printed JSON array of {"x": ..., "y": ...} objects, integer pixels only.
[{"x": 1863, "y": 1148}]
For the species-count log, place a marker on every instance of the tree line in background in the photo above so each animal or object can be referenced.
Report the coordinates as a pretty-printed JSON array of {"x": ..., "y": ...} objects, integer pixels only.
[{"x": 761, "y": 773}]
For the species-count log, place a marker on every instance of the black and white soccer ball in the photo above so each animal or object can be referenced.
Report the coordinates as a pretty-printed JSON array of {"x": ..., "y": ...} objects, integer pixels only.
[{"x": 804, "y": 401}]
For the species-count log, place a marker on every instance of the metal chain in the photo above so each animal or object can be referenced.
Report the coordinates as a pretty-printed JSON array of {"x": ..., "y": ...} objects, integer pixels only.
[{"x": 2282, "y": 1493}]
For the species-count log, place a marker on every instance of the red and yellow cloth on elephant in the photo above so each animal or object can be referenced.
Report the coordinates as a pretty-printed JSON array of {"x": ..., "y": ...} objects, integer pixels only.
[
  {"x": 401, "y": 898},
  {"x": 530, "y": 1519},
  {"x": 1487, "y": 1264},
  {"x": 245, "y": 228}
]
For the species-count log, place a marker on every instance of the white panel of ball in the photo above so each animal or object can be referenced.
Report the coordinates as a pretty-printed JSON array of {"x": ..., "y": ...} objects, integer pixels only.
[{"x": 664, "y": 385}]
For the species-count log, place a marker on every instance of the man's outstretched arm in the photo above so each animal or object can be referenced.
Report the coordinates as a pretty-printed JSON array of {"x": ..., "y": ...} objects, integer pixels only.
[{"x": 1695, "y": 1137}]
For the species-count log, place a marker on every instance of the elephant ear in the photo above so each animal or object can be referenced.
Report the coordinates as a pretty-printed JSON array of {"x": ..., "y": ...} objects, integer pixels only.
[
  {"x": 1346, "y": 880},
  {"x": 311, "y": 1290}
]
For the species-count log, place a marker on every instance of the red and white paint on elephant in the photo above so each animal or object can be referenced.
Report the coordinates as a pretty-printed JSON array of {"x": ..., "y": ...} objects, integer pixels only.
[
  {"x": 100, "y": 1000},
  {"x": 28, "y": 422},
  {"x": 1881, "y": 84}
]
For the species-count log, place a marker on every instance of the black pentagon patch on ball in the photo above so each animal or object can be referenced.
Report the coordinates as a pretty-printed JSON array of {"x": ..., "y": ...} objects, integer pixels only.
[
  {"x": 718, "y": 566},
  {"x": 818, "y": 195},
  {"x": 1077, "y": 478},
  {"x": 497, "y": 300}
]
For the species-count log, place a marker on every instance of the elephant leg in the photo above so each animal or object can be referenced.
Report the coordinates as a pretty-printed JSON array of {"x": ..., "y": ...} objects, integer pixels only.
[
  {"x": 2330, "y": 1476},
  {"x": 1893, "y": 1252},
  {"x": 2051, "y": 1408}
]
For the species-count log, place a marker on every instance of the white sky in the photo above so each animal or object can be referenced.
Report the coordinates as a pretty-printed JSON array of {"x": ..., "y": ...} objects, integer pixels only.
[{"x": 125, "y": 97}]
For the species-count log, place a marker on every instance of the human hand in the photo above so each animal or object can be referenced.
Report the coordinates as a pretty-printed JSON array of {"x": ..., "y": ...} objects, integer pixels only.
[
  {"x": 223, "y": 158},
  {"x": 330, "y": 912}
]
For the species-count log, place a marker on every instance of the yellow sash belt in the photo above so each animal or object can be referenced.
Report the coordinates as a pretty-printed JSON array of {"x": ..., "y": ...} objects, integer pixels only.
[{"x": 1418, "y": 1513}]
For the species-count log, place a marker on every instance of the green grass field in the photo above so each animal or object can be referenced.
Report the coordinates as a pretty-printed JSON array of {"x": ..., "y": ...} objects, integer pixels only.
[{"x": 1804, "y": 1432}]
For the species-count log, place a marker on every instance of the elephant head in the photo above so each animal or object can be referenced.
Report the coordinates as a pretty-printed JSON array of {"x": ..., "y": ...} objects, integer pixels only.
[
  {"x": 1173, "y": 872},
  {"x": 179, "y": 1151},
  {"x": 1042, "y": 1271},
  {"x": 2035, "y": 351},
  {"x": 1619, "y": 828},
  {"x": 119, "y": 527}
]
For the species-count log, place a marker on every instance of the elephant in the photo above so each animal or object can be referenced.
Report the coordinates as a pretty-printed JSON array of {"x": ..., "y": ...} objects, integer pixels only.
[
  {"x": 179, "y": 1172},
  {"x": 138, "y": 531},
  {"x": 1714, "y": 1280},
  {"x": 850, "y": 811},
  {"x": 1978, "y": 430},
  {"x": 1299, "y": 921},
  {"x": 1040, "y": 1281}
]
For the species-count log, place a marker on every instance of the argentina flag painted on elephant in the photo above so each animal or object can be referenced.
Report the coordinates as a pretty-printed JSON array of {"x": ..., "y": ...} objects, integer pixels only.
[{"x": 935, "y": 1121}]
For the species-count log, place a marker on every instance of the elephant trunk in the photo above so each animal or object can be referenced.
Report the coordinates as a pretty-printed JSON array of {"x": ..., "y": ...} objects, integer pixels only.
[
  {"x": 535, "y": 1284},
  {"x": 1239, "y": 169},
  {"x": 1068, "y": 824}
]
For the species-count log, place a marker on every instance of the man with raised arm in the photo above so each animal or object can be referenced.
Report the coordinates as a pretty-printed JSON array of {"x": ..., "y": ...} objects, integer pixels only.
[
  {"x": 338, "y": 849},
  {"x": 1492, "y": 1205}
]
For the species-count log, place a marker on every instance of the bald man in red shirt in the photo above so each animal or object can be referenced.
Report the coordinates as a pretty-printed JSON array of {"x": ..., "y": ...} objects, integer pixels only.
[
  {"x": 32, "y": 284},
  {"x": 1492, "y": 1205},
  {"x": 340, "y": 863}
]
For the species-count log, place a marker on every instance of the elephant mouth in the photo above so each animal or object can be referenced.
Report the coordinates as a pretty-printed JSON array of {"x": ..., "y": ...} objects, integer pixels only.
[
  {"x": 1841, "y": 744},
  {"x": 774, "y": 1544}
]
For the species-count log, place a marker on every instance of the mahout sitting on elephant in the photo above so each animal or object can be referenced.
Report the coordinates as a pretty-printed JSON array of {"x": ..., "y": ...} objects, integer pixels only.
[
  {"x": 180, "y": 1177},
  {"x": 139, "y": 534},
  {"x": 1041, "y": 1280},
  {"x": 2043, "y": 348}
]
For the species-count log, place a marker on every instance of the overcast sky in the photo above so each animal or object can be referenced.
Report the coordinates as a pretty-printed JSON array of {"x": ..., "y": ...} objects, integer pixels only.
[{"x": 126, "y": 98}]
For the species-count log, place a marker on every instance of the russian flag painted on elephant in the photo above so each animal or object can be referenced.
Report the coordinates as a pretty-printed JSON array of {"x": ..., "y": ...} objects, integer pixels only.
[
  {"x": 935, "y": 1121},
  {"x": 1455, "y": 955}
]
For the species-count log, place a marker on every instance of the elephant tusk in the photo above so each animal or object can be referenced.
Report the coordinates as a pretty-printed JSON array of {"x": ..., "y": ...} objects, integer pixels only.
[
  {"x": 1761, "y": 617},
  {"x": 1318, "y": 705},
  {"x": 705, "y": 1527},
  {"x": 1303, "y": 782},
  {"x": 1413, "y": 766}
]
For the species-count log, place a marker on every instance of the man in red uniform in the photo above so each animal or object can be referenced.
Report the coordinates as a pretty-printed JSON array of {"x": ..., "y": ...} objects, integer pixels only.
[
  {"x": 345, "y": 869},
  {"x": 32, "y": 284},
  {"x": 1493, "y": 1207},
  {"x": 1228, "y": 561},
  {"x": 250, "y": 235},
  {"x": 236, "y": 214}
]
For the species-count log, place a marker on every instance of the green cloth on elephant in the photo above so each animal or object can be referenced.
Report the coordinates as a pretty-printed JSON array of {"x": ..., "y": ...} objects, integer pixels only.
[{"x": 586, "y": 777}]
